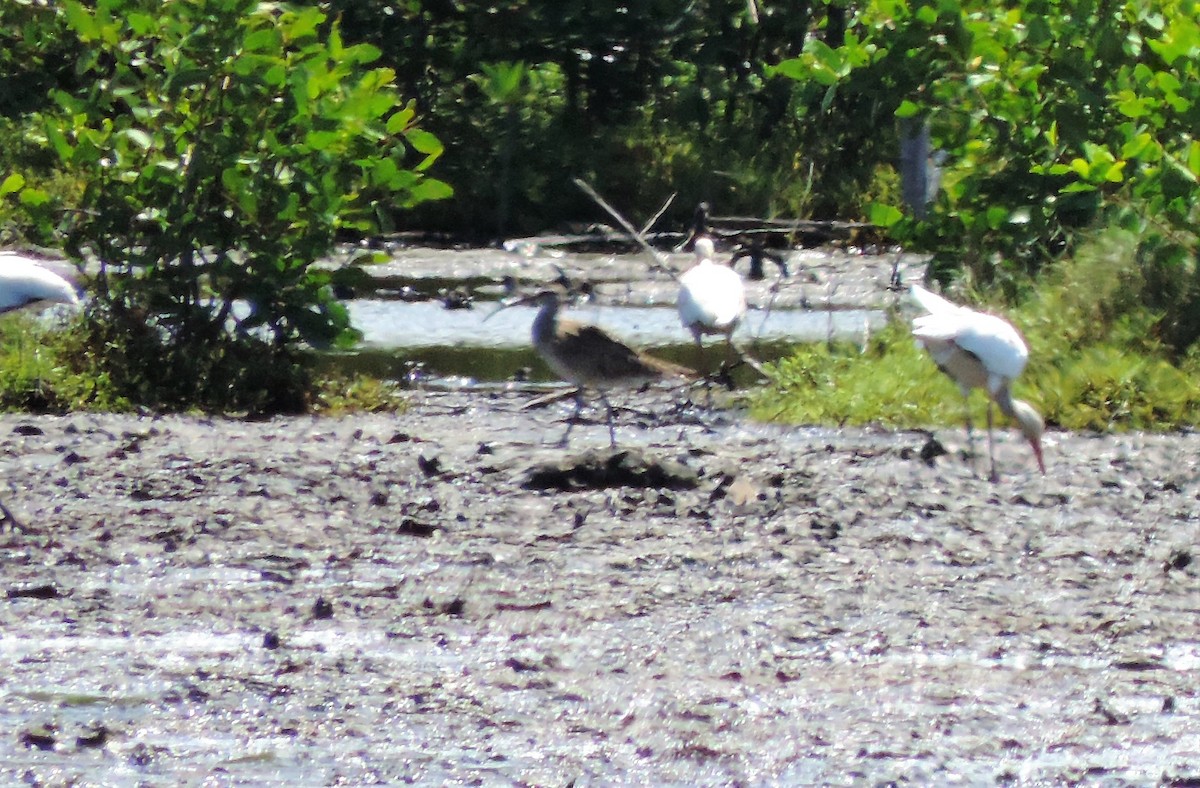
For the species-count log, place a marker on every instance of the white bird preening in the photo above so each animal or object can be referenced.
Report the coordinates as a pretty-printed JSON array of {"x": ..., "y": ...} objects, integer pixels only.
[
  {"x": 712, "y": 298},
  {"x": 978, "y": 350},
  {"x": 31, "y": 282}
]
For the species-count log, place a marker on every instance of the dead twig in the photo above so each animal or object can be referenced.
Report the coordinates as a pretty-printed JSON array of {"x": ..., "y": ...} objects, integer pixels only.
[
  {"x": 654, "y": 219},
  {"x": 548, "y": 399},
  {"x": 660, "y": 260}
]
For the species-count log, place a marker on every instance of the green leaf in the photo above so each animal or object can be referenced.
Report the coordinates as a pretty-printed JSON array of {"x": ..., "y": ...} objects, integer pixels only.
[
  {"x": 33, "y": 198},
  {"x": 13, "y": 183},
  {"x": 399, "y": 121},
  {"x": 882, "y": 215},
  {"x": 424, "y": 142},
  {"x": 263, "y": 39},
  {"x": 430, "y": 189},
  {"x": 80, "y": 20},
  {"x": 792, "y": 68},
  {"x": 137, "y": 137}
]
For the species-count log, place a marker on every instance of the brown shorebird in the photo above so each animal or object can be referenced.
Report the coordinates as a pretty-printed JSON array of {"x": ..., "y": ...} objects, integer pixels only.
[{"x": 588, "y": 357}]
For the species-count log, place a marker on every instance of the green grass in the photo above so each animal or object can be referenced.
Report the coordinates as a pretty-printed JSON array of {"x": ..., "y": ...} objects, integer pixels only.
[
  {"x": 48, "y": 366},
  {"x": 1096, "y": 361},
  {"x": 891, "y": 382}
]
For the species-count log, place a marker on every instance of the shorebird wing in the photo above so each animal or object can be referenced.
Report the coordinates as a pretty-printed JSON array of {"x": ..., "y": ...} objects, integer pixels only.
[{"x": 600, "y": 360}]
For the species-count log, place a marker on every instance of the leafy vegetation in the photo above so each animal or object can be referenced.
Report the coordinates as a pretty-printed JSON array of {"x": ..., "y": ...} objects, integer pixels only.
[
  {"x": 1056, "y": 116},
  {"x": 1070, "y": 181},
  {"x": 209, "y": 156},
  {"x": 222, "y": 148},
  {"x": 1095, "y": 362}
]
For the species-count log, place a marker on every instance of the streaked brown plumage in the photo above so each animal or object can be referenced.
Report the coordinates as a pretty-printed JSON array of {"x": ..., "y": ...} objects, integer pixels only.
[{"x": 588, "y": 357}]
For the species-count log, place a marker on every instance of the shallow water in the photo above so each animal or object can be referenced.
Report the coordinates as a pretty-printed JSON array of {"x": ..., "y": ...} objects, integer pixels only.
[{"x": 405, "y": 324}]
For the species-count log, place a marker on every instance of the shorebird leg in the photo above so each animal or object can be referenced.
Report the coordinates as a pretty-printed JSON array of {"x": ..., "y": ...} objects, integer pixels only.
[
  {"x": 9, "y": 518},
  {"x": 574, "y": 417},
  {"x": 612, "y": 430},
  {"x": 970, "y": 429},
  {"x": 707, "y": 373}
]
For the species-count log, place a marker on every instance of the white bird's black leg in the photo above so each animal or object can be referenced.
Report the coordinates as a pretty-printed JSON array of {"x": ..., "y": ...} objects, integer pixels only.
[
  {"x": 970, "y": 430},
  {"x": 995, "y": 477},
  {"x": 706, "y": 372}
]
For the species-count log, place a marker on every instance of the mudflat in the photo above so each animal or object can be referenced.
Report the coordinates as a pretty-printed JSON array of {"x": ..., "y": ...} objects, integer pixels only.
[{"x": 444, "y": 595}]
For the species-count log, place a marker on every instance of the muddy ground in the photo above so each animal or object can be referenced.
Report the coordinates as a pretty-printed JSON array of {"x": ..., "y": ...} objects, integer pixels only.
[{"x": 443, "y": 596}]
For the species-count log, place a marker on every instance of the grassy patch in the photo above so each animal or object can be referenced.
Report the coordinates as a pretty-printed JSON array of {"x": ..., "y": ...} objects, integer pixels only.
[
  {"x": 49, "y": 365},
  {"x": 43, "y": 370},
  {"x": 339, "y": 394},
  {"x": 1096, "y": 361},
  {"x": 891, "y": 382}
]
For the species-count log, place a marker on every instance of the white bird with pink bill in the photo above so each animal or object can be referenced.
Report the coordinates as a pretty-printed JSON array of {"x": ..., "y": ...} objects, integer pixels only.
[
  {"x": 979, "y": 350},
  {"x": 27, "y": 281}
]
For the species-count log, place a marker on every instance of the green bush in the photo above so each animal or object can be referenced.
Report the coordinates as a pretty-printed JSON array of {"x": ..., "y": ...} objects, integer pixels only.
[
  {"x": 224, "y": 146},
  {"x": 1056, "y": 118}
]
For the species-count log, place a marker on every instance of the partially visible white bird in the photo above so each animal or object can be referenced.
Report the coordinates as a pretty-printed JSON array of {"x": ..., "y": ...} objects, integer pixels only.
[
  {"x": 28, "y": 281},
  {"x": 978, "y": 350},
  {"x": 712, "y": 298}
]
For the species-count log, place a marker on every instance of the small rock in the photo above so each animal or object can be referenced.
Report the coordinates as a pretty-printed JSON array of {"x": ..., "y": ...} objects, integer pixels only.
[
  {"x": 322, "y": 609},
  {"x": 271, "y": 639},
  {"x": 410, "y": 527},
  {"x": 39, "y": 738},
  {"x": 45, "y": 591},
  {"x": 96, "y": 736},
  {"x": 455, "y": 607},
  {"x": 743, "y": 491},
  {"x": 430, "y": 466},
  {"x": 1179, "y": 559},
  {"x": 932, "y": 449}
]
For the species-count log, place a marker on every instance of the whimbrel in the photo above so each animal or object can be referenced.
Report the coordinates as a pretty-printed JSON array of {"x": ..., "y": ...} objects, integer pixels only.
[{"x": 588, "y": 357}]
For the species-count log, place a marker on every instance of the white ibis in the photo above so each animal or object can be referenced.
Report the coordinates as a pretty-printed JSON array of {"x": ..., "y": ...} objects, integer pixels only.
[
  {"x": 978, "y": 350},
  {"x": 712, "y": 298},
  {"x": 588, "y": 357},
  {"x": 30, "y": 282}
]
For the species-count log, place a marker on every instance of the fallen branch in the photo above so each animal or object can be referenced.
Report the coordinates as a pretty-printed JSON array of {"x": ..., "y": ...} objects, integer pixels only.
[
  {"x": 547, "y": 399},
  {"x": 660, "y": 260}
]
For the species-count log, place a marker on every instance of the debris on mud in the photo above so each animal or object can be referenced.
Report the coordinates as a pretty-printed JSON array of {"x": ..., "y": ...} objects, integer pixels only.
[{"x": 375, "y": 600}]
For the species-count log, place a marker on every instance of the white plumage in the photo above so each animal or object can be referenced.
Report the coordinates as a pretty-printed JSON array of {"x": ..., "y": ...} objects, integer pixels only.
[
  {"x": 978, "y": 350},
  {"x": 26, "y": 281},
  {"x": 712, "y": 298}
]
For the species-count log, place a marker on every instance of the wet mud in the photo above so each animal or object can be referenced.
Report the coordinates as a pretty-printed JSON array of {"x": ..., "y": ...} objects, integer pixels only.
[{"x": 444, "y": 595}]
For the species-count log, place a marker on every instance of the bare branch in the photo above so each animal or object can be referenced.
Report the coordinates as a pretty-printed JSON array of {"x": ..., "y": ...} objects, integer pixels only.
[{"x": 660, "y": 260}]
